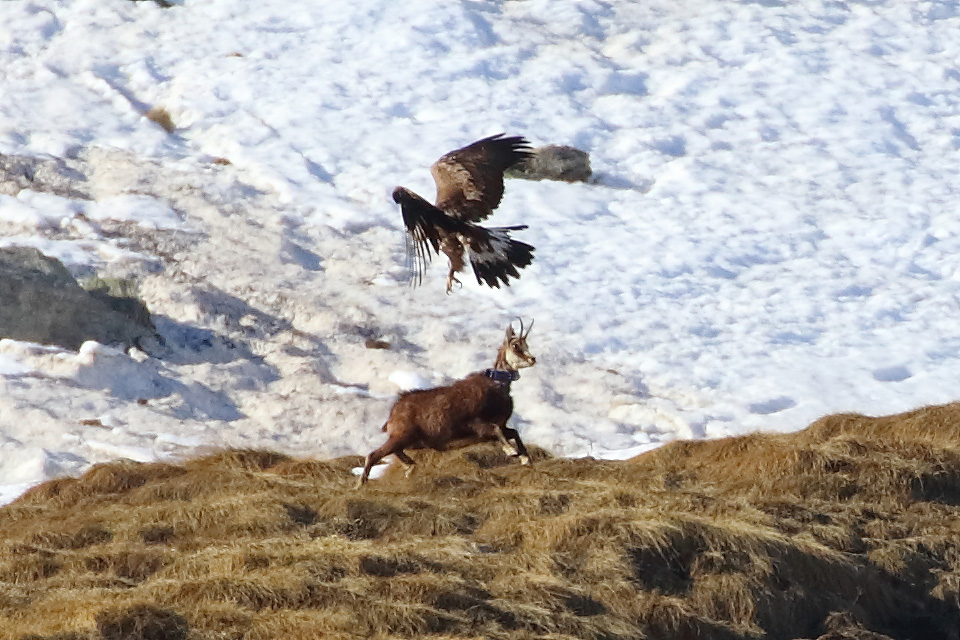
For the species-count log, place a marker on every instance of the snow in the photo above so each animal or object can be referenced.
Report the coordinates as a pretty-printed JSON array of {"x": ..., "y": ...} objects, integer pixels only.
[
  {"x": 770, "y": 236},
  {"x": 146, "y": 211},
  {"x": 409, "y": 380}
]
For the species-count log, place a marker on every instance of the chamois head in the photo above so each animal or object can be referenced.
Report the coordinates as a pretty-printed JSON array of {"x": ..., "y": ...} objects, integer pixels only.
[{"x": 513, "y": 353}]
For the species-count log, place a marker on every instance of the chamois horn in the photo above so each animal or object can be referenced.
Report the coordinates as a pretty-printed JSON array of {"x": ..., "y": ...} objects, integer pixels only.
[{"x": 522, "y": 334}]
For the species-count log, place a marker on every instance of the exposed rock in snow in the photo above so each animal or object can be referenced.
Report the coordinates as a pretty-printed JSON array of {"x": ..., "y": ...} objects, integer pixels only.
[
  {"x": 43, "y": 303},
  {"x": 43, "y": 175},
  {"x": 555, "y": 162}
]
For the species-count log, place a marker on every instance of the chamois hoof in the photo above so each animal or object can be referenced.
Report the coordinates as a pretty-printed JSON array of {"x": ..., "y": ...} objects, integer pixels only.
[
  {"x": 525, "y": 460},
  {"x": 510, "y": 450}
]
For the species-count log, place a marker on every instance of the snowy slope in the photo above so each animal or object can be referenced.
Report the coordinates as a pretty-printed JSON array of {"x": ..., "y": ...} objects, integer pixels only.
[{"x": 771, "y": 234}]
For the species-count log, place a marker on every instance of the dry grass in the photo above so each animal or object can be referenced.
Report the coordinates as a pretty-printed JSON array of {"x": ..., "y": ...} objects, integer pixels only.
[
  {"x": 847, "y": 529},
  {"x": 161, "y": 117}
]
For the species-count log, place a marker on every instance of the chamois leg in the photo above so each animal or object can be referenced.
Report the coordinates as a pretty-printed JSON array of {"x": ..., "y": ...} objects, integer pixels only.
[
  {"x": 484, "y": 431},
  {"x": 508, "y": 448},
  {"x": 392, "y": 445},
  {"x": 512, "y": 434},
  {"x": 406, "y": 460}
]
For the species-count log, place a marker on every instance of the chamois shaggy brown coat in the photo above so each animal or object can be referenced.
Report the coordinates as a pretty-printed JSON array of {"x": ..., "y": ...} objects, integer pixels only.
[{"x": 473, "y": 409}]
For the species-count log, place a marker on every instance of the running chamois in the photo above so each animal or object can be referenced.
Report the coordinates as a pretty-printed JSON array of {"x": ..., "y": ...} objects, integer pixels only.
[{"x": 475, "y": 408}]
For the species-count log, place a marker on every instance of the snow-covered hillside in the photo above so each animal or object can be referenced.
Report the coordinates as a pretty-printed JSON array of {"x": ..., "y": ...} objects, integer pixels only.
[{"x": 770, "y": 235}]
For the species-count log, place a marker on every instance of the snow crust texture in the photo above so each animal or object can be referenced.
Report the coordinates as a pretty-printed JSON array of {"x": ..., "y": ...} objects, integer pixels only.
[{"x": 770, "y": 233}]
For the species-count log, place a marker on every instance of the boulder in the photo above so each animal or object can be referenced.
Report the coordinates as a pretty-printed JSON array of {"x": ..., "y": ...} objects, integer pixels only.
[
  {"x": 41, "y": 302},
  {"x": 554, "y": 162}
]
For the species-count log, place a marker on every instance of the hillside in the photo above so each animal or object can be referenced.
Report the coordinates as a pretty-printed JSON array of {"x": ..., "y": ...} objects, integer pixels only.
[
  {"x": 846, "y": 529},
  {"x": 769, "y": 234}
]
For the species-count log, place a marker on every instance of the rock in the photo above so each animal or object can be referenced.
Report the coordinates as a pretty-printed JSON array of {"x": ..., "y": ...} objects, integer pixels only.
[
  {"x": 43, "y": 176},
  {"x": 120, "y": 294},
  {"x": 41, "y": 302},
  {"x": 554, "y": 162}
]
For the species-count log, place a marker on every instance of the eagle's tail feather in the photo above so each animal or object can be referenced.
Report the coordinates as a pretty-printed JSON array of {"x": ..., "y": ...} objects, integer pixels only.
[{"x": 496, "y": 256}]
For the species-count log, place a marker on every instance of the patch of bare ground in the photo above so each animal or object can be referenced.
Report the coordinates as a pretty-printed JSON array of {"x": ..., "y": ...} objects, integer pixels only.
[{"x": 847, "y": 529}]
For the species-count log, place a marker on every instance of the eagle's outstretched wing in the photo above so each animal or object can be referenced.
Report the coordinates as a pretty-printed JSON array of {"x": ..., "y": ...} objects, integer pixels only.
[
  {"x": 495, "y": 256},
  {"x": 426, "y": 228},
  {"x": 470, "y": 180}
]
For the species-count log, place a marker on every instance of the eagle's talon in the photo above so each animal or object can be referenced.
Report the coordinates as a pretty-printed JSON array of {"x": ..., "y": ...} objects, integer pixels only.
[{"x": 450, "y": 280}]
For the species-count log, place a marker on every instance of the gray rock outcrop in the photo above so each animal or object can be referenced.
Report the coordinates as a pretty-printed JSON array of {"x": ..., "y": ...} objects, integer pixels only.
[
  {"x": 50, "y": 175},
  {"x": 41, "y": 302},
  {"x": 554, "y": 162}
]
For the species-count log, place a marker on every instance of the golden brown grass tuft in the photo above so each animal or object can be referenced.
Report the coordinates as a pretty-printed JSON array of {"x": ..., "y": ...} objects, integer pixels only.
[
  {"x": 161, "y": 117},
  {"x": 847, "y": 529}
]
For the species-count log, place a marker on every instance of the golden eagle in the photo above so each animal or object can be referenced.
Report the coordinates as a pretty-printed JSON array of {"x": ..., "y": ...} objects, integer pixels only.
[{"x": 469, "y": 187}]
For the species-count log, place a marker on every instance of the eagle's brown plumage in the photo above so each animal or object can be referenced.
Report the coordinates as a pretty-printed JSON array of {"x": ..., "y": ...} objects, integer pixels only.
[{"x": 469, "y": 187}]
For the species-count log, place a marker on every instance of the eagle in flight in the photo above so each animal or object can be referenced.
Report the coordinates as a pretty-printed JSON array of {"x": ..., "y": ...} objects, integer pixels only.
[{"x": 469, "y": 187}]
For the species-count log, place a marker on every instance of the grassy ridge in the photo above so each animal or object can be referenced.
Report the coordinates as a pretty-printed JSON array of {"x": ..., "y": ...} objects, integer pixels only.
[{"x": 847, "y": 529}]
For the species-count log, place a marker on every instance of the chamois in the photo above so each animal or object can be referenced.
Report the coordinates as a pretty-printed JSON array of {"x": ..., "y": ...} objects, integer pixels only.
[{"x": 475, "y": 408}]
